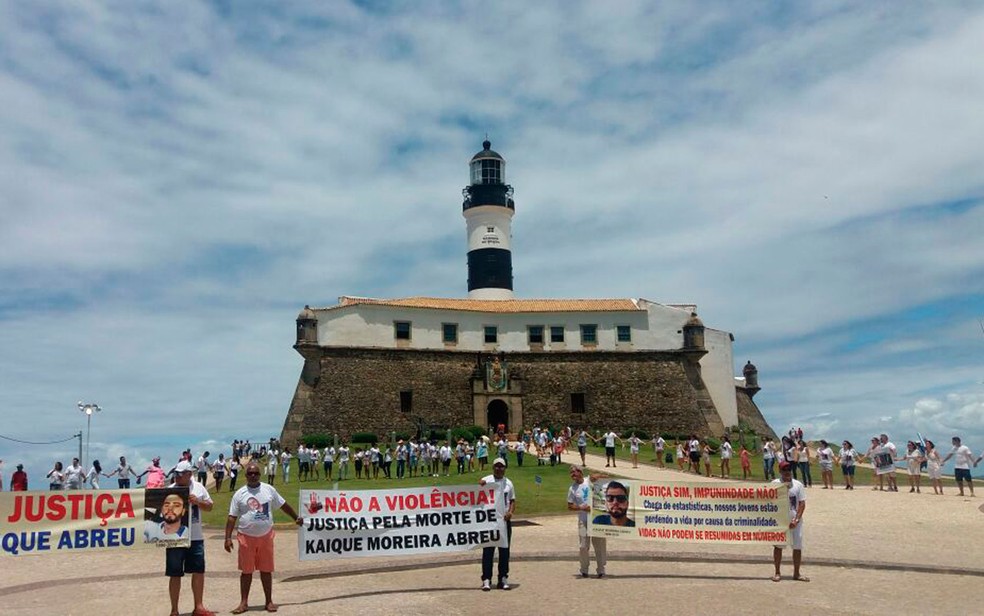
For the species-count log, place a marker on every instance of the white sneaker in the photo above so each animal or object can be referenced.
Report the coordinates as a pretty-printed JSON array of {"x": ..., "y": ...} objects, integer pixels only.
[
  {"x": 486, "y": 585},
  {"x": 503, "y": 584}
]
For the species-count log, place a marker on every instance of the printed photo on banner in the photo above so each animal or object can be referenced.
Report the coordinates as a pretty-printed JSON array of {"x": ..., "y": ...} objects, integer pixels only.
[
  {"x": 883, "y": 461},
  {"x": 613, "y": 497},
  {"x": 166, "y": 517},
  {"x": 77, "y": 520},
  {"x": 689, "y": 512},
  {"x": 363, "y": 523}
]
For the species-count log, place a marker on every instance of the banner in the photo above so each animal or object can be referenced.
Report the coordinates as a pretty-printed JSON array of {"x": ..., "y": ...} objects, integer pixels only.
[
  {"x": 76, "y": 520},
  {"x": 883, "y": 461},
  {"x": 421, "y": 520},
  {"x": 690, "y": 512}
]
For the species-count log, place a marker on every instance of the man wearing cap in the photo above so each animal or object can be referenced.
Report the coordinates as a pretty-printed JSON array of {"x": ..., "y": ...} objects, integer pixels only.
[
  {"x": 251, "y": 512},
  {"x": 507, "y": 492},
  {"x": 191, "y": 559},
  {"x": 797, "y": 507}
]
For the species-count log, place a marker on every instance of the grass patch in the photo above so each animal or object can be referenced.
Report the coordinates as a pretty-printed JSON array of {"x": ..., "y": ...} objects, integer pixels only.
[{"x": 550, "y": 498}]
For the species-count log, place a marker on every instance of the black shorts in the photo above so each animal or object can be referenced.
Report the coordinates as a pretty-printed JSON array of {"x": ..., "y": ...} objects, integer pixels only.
[
  {"x": 185, "y": 560},
  {"x": 124, "y": 483},
  {"x": 961, "y": 474},
  {"x": 695, "y": 456},
  {"x": 847, "y": 470},
  {"x": 582, "y": 449},
  {"x": 610, "y": 451}
]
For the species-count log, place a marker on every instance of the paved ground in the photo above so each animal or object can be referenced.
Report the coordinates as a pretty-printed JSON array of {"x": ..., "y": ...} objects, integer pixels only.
[{"x": 916, "y": 553}]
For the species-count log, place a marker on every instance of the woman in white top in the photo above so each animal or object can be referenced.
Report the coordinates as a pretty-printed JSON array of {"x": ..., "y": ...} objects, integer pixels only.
[
  {"x": 726, "y": 452},
  {"x": 93, "y": 475},
  {"x": 769, "y": 459},
  {"x": 680, "y": 456},
  {"x": 57, "y": 477},
  {"x": 825, "y": 455},
  {"x": 218, "y": 471},
  {"x": 705, "y": 456},
  {"x": 934, "y": 467},
  {"x": 803, "y": 456},
  {"x": 634, "y": 449},
  {"x": 913, "y": 464},
  {"x": 848, "y": 457}
]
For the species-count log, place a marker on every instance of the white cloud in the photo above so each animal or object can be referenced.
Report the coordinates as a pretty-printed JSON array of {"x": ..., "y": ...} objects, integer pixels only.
[{"x": 175, "y": 185}]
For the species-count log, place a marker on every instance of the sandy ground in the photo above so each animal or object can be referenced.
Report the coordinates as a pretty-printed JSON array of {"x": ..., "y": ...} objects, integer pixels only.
[{"x": 897, "y": 551}]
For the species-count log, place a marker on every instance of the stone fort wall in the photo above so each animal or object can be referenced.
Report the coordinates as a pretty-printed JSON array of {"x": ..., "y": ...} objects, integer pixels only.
[{"x": 348, "y": 390}]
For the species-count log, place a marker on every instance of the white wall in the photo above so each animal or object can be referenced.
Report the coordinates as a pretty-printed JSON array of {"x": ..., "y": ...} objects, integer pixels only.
[{"x": 717, "y": 369}]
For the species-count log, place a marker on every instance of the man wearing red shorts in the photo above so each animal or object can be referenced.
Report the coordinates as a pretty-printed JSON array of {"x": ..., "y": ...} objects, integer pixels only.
[{"x": 252, "y": 506}]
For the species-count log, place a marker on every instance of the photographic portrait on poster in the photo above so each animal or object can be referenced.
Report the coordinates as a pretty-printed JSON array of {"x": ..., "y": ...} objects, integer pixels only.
[
  {"x": 883, "y": 461},
  {"x": 614, "y": 498},
  {"x": 166, "y": 517}
]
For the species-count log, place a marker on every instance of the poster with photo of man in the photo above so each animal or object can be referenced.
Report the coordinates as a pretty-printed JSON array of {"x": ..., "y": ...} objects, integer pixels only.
[
  {"x": 612, "y": 505},
  {"x": 166, "y": 517}
]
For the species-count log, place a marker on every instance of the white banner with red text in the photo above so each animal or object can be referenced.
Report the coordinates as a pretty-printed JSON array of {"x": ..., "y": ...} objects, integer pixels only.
[
  {"x": 82, "y": 520},
  {"x": 366, "y": 523},
  {"x": 690, "y": 511}
]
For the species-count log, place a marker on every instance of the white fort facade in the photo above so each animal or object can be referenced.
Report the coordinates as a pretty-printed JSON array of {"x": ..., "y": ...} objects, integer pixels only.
[{"x": 387, "y": 365}]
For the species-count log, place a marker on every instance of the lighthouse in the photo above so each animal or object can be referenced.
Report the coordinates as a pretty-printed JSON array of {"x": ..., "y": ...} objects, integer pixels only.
[{"x": 488, "y": 209}]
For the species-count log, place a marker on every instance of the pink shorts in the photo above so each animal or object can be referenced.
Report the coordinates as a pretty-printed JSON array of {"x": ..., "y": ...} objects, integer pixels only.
[{"x": 256, "y": 553}]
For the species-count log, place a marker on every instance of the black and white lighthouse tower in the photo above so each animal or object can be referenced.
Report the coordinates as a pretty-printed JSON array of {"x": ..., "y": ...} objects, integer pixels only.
[{"x": 488, "y": 209}]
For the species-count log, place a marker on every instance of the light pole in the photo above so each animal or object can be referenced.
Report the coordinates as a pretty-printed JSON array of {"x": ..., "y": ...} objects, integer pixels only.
[{"x": 88, "y": 409}]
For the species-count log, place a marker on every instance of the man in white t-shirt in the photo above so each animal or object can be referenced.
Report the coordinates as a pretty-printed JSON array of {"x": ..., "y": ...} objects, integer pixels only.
[
  {"x": 271, "y": 465},
  {"x": 888, "y": 451},
  {"x": 610, "y": 438},
  {"x": 191, "y": 559},
  {"x": 445, "y": 455},
  {"x": 961, "y": 466},
  {"x": 202, "y": 466},
  {"x": 579, "y": 500},
  {"x": 343, "y": 462},
  {"x": 285, "y": 465},
  {"x": 251, "y": 513},
  {"x": 508, "y": 493},
  {"x": 74, "y": 475},
  {"x": 797, "y": 507}
]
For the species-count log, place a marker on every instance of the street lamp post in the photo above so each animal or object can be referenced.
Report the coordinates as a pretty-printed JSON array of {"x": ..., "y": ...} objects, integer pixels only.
[{"x": 88, "y": 409}]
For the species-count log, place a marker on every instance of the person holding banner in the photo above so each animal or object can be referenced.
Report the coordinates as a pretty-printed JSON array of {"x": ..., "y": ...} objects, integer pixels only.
[
  {"x": 191, "y": 559},
  {"x": 579, "y": 500},
  {"x": 506, "y": 490},
  {"x": 797, "y": 507},
  {"x": 251, "y": 513}
]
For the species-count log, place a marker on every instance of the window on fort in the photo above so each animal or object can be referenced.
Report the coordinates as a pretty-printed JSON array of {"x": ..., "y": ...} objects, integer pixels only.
[
  {"x": 589, "y": 334},
  {"x": 535, "y": 334},
  {"x": 623, "y": 333},
  {"x": 577, "y": 403},
  {"x": 491, "y": 334},
  {"x": 401, "y": 329},
  {"x": 556, "y": 333},
  {"x": 450, "y": 333},
  {"x": 406, "y": 401}
]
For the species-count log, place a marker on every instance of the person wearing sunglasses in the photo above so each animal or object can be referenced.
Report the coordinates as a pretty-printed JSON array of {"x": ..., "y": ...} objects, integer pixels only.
[
  {"x": 617, "y": 506},
  {"x": 251, "y": 513}
]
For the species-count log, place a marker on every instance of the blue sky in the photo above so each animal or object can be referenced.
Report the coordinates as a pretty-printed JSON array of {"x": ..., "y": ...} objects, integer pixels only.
[{"x": 178, "y": 179}]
